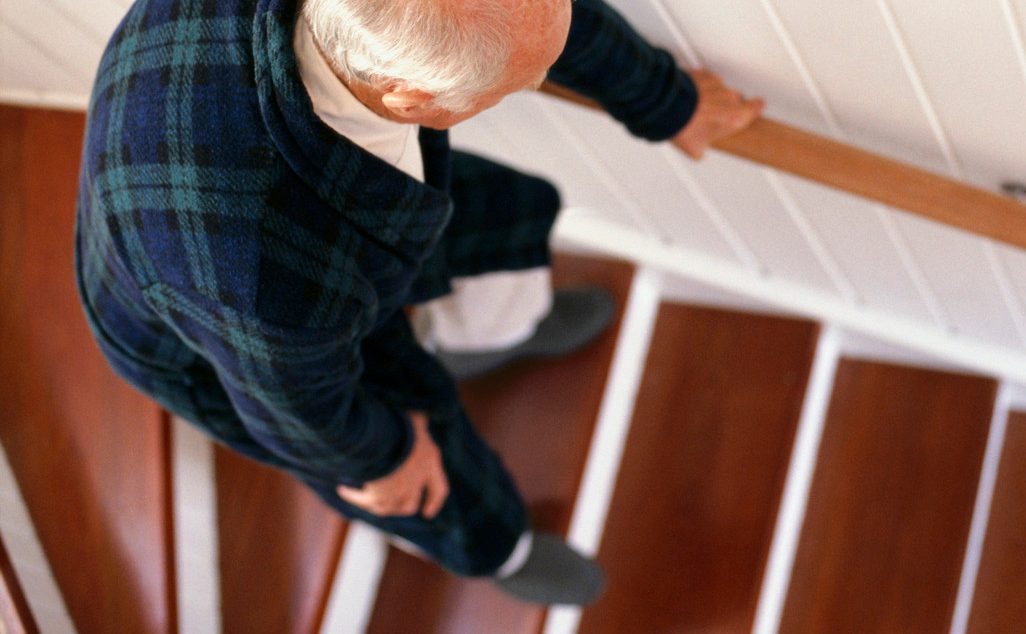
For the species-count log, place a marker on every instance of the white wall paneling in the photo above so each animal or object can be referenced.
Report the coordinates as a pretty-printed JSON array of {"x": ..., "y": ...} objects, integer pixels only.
[
  {"x": 754, "y": 208},
  {"x": 737, "y": 40},
  {"x": 52, "y": 38},
  {"x": 973, "y": 354},
  {"x": 857, "y": 234},
  {"x": 26, "y": 68},
  {"x": 657, "y": 183},
  {"x": 959, "y": 267},
  {"x": 530, "y": 138},
  {"x": 970, "y": 69},
  {"x": 1016, "y": 19}
]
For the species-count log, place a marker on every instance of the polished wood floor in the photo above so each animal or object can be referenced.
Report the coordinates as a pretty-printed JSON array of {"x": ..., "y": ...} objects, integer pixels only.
[
  {"x": 539, "y": 416},
  {"x": 881, "y": 549},
  {"x": 891, "y": 502},
  {"x": 692, "y": 518},
  {"x": 1000, "y": 600},
  {"x": 90, "y": 454},
  {"x": 279, "y": 546}
]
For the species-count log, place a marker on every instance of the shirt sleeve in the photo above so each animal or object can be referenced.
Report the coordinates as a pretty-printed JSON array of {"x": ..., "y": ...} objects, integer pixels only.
[
  {"x": 638, "y": 84},
  {"x": 299, "y": 393}
]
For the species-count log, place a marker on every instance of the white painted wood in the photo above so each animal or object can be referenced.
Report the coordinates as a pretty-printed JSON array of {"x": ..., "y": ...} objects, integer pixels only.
[
  {"x": 1004, "y": 287},
  {"x": 866, "y": 348},
  {"x": 737, "y": 40},
  {"x": 981, "y": 510},
  {"x": 1014, "y": 262},
  {"x": 1016, "y": 20},
  {"x": 27, "y": 557},
  {"x": 43, "y": 99},
  {"x": 794, "y": 502},
  {"x": 526, "y": 140},
  {"x": 592, "y": 161},
  {"x": 857, "y": 235},
  {"x": 357, "y": 578},
  {"x": 958, "y": 267},
  {"x": 915, "y": 78},
  {"x": 611, "y": 430},
  {"x": 198, "y": 591},
  {"x": 748, "y": 201},
  {"x": 654, "y": 183},
  {"x": 847, "y": 49},
  {"x": 970, "y": 69},
  {"x": 55, "y": 39},
  {"x": 842, "y": 284},
  {"x": 1018, "y": 397},
  {"x": 973, "y": 354},
  {"x": 814, "y": 23},
  {"x": 25, "y": 68}
]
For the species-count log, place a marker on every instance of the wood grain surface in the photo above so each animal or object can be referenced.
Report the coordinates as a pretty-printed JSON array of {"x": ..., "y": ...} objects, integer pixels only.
[
  {"x": 891, "y": 502},
  {"x": 539, "y": 416},
  {"x": 692, "y": 518},
  {"x": 90, "y": 454},
  {"x": 999, "y": 603},
  {"x": 279, "y": 547}
]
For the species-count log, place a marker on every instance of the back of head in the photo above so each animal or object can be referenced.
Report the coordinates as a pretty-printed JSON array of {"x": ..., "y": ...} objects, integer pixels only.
[{"x": 452, "y": 49}]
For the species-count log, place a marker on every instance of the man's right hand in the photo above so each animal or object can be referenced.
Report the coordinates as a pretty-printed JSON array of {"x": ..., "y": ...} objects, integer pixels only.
[
  {"x": 419, "y": 479},
  {"x": 721, "y": 112}
]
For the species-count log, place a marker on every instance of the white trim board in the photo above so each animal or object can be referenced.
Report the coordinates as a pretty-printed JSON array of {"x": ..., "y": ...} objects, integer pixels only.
[
  {"x": 981, "y": 510},
  {"x": 611, "y": 430},
  {"x": 801, "y": 470},
  {"x": 354, "y": 588},
  {"x": 198, "y": 591},
  {"x": 44, "y": 99},
  {"x": 27, "y": 556},
  {"x": 616, "y": 240}
]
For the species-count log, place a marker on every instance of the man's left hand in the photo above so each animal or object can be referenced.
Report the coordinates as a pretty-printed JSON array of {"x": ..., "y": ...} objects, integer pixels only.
[{"x": 721, "y": 112}]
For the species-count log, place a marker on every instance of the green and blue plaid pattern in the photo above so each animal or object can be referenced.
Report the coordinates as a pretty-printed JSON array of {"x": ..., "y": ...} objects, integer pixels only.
[{"x": 247, "y": 267}]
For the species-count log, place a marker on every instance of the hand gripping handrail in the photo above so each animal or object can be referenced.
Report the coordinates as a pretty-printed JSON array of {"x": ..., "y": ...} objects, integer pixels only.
[{"x": 868, "y": 175}]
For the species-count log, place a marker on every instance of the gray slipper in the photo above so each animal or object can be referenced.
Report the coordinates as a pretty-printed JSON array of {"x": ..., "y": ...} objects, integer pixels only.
[
  {"x": 578, "y": 316},
  {"x": 555, "y": 573}
]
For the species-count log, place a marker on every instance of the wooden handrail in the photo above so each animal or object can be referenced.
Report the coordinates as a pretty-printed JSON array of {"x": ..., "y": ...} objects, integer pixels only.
[
  {"x": 869, "y": 175},
  {"x": 15, "y": 616}
]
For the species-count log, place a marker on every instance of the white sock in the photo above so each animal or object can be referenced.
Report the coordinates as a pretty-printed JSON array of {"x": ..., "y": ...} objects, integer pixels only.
[{"x": 518, "y": 557}]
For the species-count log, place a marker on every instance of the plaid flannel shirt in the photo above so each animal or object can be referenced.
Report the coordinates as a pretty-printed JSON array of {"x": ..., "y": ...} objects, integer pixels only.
[{"x": 247, "y": 267}]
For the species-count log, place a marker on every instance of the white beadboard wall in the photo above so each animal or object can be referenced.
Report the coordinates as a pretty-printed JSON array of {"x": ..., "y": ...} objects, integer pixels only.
[{"x": 937, "y": 83}]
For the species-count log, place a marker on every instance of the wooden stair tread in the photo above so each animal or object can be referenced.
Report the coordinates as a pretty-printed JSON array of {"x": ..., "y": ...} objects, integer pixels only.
[
  {"x": 998, "y": 604},
  {"x": 279, "y": 546},
  {"x": 891, "y": 502},
  {"x": 90, "y": 454},
  {"x": 539, "y": 416},
  {"x": 692, "y": 517}
]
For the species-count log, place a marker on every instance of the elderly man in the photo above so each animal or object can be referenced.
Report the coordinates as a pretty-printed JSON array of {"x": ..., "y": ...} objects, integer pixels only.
[{"x": 265, "y": 187}]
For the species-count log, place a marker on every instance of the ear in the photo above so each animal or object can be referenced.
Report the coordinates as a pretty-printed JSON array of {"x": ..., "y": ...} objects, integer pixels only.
[{"x": 406, "y": 103}]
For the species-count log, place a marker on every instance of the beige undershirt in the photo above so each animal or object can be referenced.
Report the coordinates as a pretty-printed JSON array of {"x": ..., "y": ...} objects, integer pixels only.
[{"x": 486, "y": 312}]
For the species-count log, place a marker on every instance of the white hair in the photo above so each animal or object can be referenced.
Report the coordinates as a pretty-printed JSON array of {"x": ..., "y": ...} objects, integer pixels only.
[{"x": 454, "y": 50}]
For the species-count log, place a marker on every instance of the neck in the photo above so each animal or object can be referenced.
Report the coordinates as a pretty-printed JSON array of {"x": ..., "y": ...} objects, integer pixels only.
[{"x": 364, "y": 93}]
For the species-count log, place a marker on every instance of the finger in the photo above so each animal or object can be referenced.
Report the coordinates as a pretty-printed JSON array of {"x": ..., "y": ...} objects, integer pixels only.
[
  {"x": 756, "y": 106},
  {"x": 749, "y": 112},
  {"x": 358, "y": 497},
  {"x": 409, "y": 505},
  {"x": 437, "y": 493}
]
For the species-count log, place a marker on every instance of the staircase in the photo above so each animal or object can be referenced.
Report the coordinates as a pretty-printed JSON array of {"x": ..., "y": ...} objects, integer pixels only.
[{"x": 733, "y": 471}]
